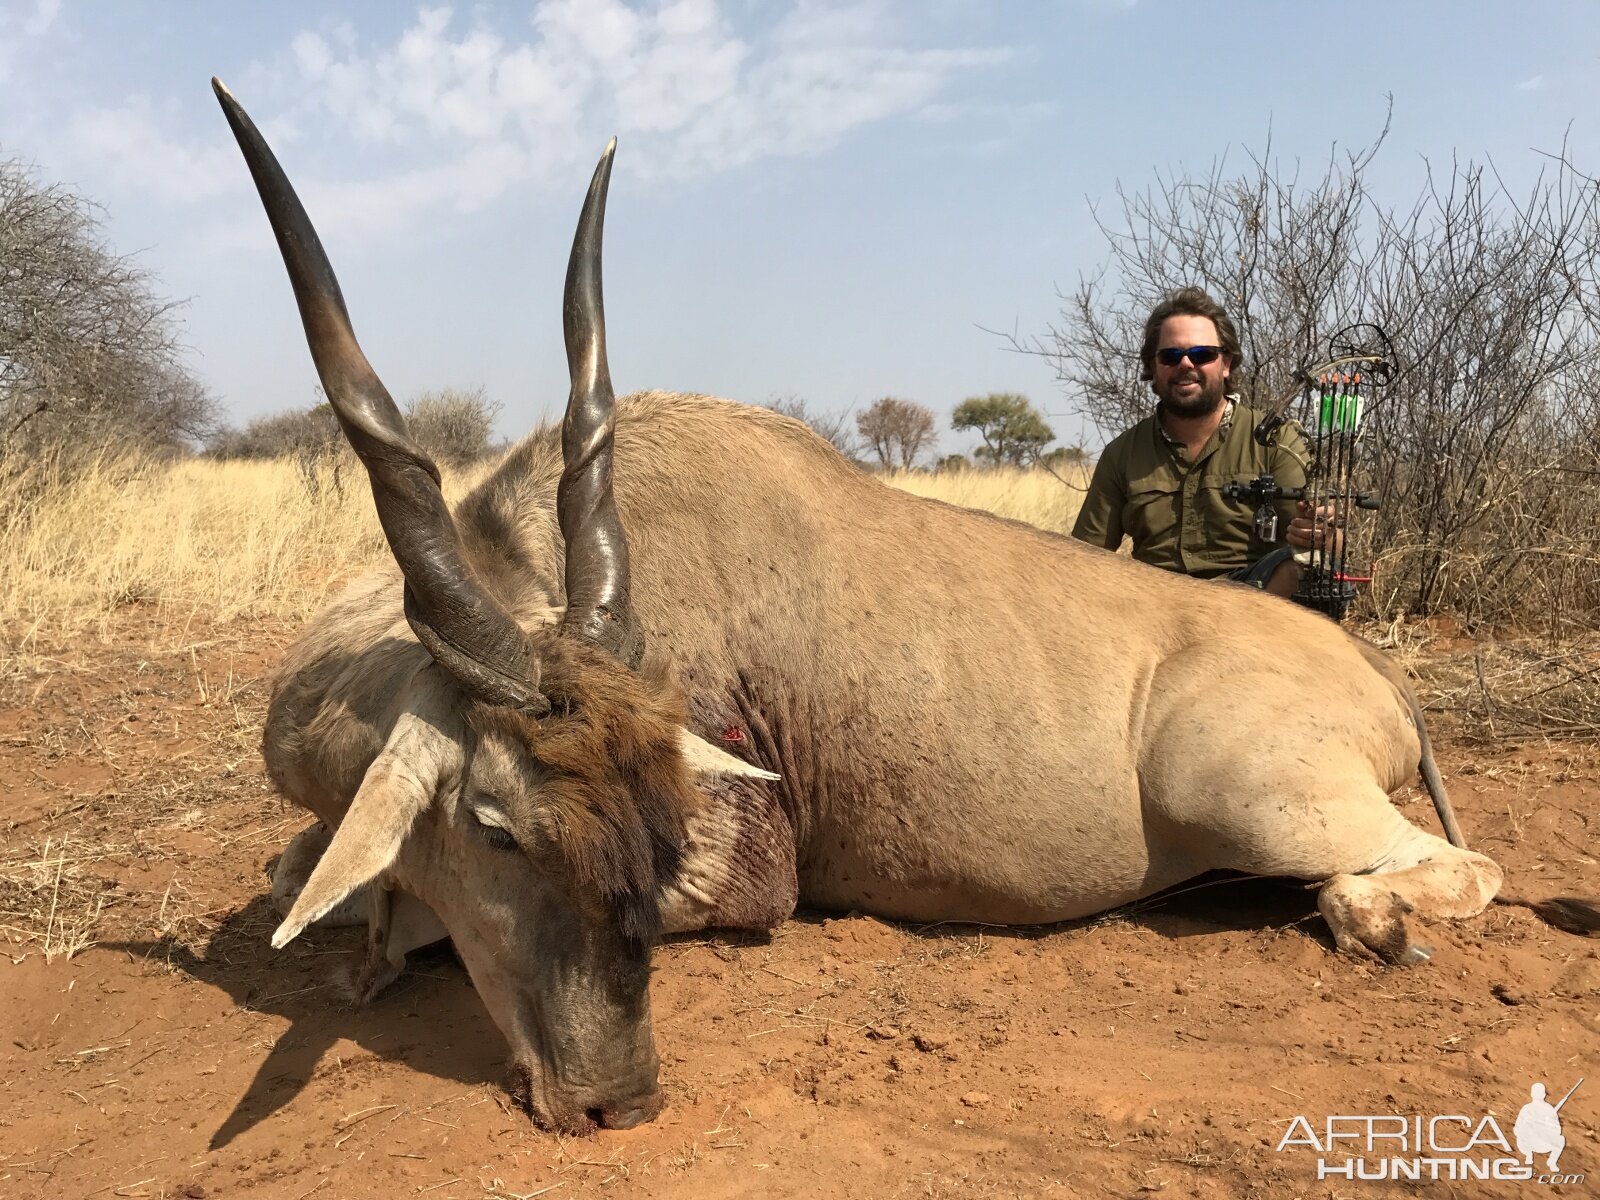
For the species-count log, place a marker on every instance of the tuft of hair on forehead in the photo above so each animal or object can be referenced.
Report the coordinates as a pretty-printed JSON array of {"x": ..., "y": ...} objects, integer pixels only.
[{"x": 621, "y": 790}]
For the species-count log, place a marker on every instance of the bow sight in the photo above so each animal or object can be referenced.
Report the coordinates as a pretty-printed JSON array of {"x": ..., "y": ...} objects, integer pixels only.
[{"x": 1334, "y": 400}]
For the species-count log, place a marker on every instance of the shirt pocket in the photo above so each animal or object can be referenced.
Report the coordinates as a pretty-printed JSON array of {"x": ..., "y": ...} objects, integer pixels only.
[{"x": 1151, "y": 513}]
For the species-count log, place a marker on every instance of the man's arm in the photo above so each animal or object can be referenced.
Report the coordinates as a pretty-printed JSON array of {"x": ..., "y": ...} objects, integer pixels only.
[{"x": 1100, "y": 519}]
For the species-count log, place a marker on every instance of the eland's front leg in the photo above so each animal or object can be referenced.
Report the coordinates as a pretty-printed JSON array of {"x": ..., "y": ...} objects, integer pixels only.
[
  {"x": 400, "y": 923},
  {"x": 376, "y": 972}
]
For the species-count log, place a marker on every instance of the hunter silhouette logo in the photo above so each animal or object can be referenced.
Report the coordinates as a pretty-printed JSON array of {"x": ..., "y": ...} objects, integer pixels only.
[
  {"x": 1538, "y": 1127},
  {"x": 1451, "y": 1146}
]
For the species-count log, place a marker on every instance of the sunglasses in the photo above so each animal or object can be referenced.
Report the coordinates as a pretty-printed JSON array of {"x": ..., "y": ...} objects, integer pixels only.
[{"x": 1198, "y": 355}]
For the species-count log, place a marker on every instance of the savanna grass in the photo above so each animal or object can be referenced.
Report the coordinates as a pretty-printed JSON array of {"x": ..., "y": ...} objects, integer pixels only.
[
  {"x": 1035, "y": 496},
  {"x": 84, "y": 540}
]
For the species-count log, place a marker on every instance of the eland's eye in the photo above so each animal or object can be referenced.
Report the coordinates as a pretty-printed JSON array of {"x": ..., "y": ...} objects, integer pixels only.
[{"x": 496, "y": 835}]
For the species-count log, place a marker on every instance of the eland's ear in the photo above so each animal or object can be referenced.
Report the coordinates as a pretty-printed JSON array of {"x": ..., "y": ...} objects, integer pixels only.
[
  {"x": 398, "y": 785},
  {"x": 705, "y": 759}
]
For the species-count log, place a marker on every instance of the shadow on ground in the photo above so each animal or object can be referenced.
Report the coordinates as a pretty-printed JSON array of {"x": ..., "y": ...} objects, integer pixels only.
[
  {"x": 1219, "y": 901},
  {"x": 431, "y": 1019}
]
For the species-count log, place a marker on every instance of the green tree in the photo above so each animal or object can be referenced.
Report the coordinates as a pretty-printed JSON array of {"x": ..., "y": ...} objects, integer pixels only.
[{"x": 1012, "y": 430}]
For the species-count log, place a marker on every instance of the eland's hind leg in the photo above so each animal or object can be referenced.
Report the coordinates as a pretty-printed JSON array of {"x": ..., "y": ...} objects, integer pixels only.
[
  {"x": 1380, "y": 870},
  {"x": 1425, "y": 876}
]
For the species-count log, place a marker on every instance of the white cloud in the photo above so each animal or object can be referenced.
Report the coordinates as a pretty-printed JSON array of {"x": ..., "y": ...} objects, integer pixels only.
[
  {"x": 694, "y": 94},
  {"x": 1533, "y": 84},
  {"x": 22, "y": 25},
  {"x": 130, "y": 143},
  {"x": 691, "y": 65},
  {"x": 453, "y": 113}
]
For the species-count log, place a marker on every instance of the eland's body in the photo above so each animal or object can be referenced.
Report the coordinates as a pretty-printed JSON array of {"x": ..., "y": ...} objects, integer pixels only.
[
  {"x": 973, "y": 720},
  {"x": 681, "y": 664}
]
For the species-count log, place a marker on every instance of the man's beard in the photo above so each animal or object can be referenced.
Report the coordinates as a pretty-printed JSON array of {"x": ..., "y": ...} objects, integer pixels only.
[{"x": 1202, "y": 404}]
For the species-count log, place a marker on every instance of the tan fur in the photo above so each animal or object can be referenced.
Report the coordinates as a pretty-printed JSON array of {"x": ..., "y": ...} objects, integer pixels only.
[
  {"x": 291, "y": 870},
  {"x": 971, "y": 720},
  {"x": 983, "y": 721}
]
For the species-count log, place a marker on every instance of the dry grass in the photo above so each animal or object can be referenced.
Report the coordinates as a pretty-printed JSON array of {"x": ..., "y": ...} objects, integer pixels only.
[
  {"x": 49, "y": 899},
  {"x": 218, "y": 540},
  {"x": 1034, "y": 496},
  {"x": 229, "y": 539},
  {"x": 1505, "y": 688},
  {"x": 208, "y": 542}
]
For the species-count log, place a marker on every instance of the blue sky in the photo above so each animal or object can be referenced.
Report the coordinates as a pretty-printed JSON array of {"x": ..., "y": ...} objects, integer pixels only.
[{"x": 831, "y": 201}]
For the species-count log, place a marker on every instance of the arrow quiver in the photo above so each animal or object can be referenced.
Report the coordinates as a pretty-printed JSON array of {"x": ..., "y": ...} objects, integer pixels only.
[{"x": 1330, "y": 408}]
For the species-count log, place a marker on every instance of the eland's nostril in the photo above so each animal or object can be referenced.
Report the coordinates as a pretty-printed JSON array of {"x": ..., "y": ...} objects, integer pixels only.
[{"x": 611, "y": 1119}]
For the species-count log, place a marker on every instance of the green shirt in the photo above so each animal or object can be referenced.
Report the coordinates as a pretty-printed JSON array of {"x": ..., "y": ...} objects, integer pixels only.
[{"x": 1145, "y": 486}]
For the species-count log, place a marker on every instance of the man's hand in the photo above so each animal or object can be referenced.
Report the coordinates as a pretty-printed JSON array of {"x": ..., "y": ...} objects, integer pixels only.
[{"x": 1315, "y": 528}]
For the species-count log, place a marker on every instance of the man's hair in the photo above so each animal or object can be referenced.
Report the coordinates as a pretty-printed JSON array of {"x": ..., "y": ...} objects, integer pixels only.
[{"x": 1189, "y": 302}]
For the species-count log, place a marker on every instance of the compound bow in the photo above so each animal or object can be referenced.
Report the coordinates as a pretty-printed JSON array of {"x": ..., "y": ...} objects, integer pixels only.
[{"x": 1335, "y": 398}]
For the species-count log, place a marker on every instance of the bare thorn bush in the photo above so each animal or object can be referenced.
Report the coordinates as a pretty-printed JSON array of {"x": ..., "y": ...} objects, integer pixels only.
[
  {"x": 898, "y": 432},
  {"x": 89, "y": 352},
  {"x": 453, "y": 425},
  {"x": 1483, "y": 445}
]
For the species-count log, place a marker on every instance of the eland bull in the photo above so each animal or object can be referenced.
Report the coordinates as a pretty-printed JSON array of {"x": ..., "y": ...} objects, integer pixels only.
[{"x": 553, "y": 742}]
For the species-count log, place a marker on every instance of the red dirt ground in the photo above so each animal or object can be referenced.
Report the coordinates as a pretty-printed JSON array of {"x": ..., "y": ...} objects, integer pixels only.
[{"x": 1161, "y": 1050}]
